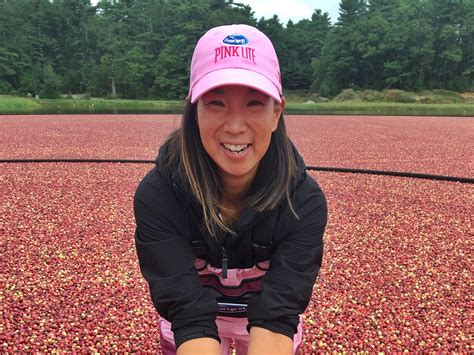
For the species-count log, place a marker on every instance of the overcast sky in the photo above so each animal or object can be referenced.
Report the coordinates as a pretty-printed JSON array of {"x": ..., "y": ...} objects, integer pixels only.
[{"x": 295, "y": 10}]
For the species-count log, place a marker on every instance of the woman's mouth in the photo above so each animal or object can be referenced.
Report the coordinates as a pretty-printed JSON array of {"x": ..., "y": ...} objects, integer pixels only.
[{"x": 236, "y": 148}]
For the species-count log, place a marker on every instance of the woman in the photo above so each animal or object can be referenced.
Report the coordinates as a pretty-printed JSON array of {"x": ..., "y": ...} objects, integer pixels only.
[{"x": 229, "y": 227}]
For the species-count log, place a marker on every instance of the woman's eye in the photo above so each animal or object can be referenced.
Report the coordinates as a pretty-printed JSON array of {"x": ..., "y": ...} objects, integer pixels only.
[
  {"x": 215, "y": 103},
  {"x": 254, "y": 103}
]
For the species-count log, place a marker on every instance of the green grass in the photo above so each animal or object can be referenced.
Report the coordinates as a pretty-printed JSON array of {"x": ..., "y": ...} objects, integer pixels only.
[
  {"x": 296, "y": 104},
  {"x": 13, "y": 104},
  {"x": 110, "y": 106},
  {"x": 18, "y": 105},
  {"x": 400, "y": 96},
  {"x": 381, "y": 108}
]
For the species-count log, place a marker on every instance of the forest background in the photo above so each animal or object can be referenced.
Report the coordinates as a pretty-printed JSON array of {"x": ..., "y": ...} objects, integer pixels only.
[{"x": 141, "y": 49}]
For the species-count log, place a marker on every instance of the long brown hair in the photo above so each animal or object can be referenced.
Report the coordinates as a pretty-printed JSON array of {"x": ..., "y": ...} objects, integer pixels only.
[{"x": 185, "y": 149}]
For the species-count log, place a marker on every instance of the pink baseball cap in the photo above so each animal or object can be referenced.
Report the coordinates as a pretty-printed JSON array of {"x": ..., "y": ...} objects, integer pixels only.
[{"x": 234, "y": 55}]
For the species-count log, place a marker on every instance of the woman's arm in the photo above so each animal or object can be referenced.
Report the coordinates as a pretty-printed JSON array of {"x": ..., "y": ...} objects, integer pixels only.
[
  {"x": 288, "y": 284},
  {"x": 166, "y": 262},
  {"x": 200, "y": 346},
  {"x": 264, "y": 341}
]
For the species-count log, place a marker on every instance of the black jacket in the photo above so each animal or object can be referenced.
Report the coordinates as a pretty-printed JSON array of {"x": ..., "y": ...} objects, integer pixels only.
[{"x": 168, "y": 220}]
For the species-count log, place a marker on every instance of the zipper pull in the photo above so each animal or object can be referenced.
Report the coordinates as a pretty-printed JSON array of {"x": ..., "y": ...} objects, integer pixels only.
[{"x": 224, "y": 263}]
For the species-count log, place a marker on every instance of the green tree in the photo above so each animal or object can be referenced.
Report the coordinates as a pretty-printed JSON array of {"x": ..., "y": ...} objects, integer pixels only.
[
  {"x": 466, "y": 81},
  {"x": 397, "y": 46},
  {"x": 407, "y": 48},
  {"x": 51, "y": 82},
  {"x": 340, "y": 64},
  {"x": 142, "y": 48},
  {"x": 114, "y": 28},
  {"x": 453, "y": 28},
  {"x": 43, "y": 52},
  {"x": 305, "y": 41},
  {"x": 138, "y": 73},
  {"x": 273, "y": 28},
  {"x": 172, "y": 69},
  {"x": 76, "y": 42}
]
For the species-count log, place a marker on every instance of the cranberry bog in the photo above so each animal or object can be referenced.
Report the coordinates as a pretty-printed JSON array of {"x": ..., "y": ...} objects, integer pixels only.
[{"x": 397, "y": 267}]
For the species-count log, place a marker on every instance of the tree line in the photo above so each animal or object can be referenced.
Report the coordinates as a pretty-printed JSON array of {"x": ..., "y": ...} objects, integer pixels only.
[{"x": 142, "y": 48}]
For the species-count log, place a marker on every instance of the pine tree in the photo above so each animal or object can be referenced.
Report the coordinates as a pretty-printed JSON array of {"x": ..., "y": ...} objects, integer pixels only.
[{"x": 340, "y": 64}]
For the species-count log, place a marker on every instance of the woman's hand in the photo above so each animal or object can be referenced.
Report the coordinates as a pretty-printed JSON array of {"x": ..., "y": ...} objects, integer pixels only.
[
  {"x": 264, "y": 341},
  {"x": 200, "y": 346}
]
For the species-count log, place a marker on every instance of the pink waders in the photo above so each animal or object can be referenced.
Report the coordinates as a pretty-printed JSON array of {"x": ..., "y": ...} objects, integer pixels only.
[{"x": 228, "y": 327}]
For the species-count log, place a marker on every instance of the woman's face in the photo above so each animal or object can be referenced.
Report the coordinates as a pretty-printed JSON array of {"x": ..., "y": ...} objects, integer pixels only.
[{"x": 235, "y": 125}]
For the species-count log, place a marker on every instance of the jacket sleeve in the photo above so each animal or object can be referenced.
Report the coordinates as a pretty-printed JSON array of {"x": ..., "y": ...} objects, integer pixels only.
[
  {"x": 288, "y": 284},
  {"x": 167, "y": 262}
]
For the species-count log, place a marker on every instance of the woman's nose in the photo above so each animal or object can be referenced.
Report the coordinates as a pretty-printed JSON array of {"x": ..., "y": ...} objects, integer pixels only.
[{"x": 235, "y": 123}]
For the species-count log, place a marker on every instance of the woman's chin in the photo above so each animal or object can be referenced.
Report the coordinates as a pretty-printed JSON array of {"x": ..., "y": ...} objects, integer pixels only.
[{"x": 236, "y": 173}]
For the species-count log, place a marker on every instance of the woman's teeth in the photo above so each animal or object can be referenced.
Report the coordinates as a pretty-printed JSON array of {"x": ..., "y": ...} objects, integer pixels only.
[{"x": 236, "y": 148}]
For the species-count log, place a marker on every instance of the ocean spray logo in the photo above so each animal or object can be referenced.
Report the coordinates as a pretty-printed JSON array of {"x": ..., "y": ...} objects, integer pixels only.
[{"x": 236, "y": 40}]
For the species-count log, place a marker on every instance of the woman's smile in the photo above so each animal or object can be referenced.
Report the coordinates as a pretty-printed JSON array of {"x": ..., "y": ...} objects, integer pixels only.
[
  {"x": 236, "y": 148},
  {"x": 236, "y": 151}
]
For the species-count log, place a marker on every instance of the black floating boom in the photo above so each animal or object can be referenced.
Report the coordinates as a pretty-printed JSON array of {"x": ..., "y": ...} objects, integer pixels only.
[{"x": 318, "y": 168}]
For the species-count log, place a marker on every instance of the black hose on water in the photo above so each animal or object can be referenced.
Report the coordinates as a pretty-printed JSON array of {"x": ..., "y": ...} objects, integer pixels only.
[{"x": 317, "y": 168}]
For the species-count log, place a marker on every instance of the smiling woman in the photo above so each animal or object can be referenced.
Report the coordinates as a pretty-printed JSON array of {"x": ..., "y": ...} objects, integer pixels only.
[
  {"x": 229, "y": 226},
  {"x": 235, "y": 126}
]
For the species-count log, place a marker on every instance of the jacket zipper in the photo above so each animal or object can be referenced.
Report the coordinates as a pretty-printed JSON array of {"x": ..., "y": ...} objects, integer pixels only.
[
  {"x": 224, "y": 263},
  {"x": 224, "y": 255}
]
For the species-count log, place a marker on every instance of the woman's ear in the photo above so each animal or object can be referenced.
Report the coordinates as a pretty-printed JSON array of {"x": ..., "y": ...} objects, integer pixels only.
[{"x": 279, "y": 107}]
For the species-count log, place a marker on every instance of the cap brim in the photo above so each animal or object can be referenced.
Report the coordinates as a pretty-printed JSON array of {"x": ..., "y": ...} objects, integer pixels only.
[{"x": 234, "y": 76}]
